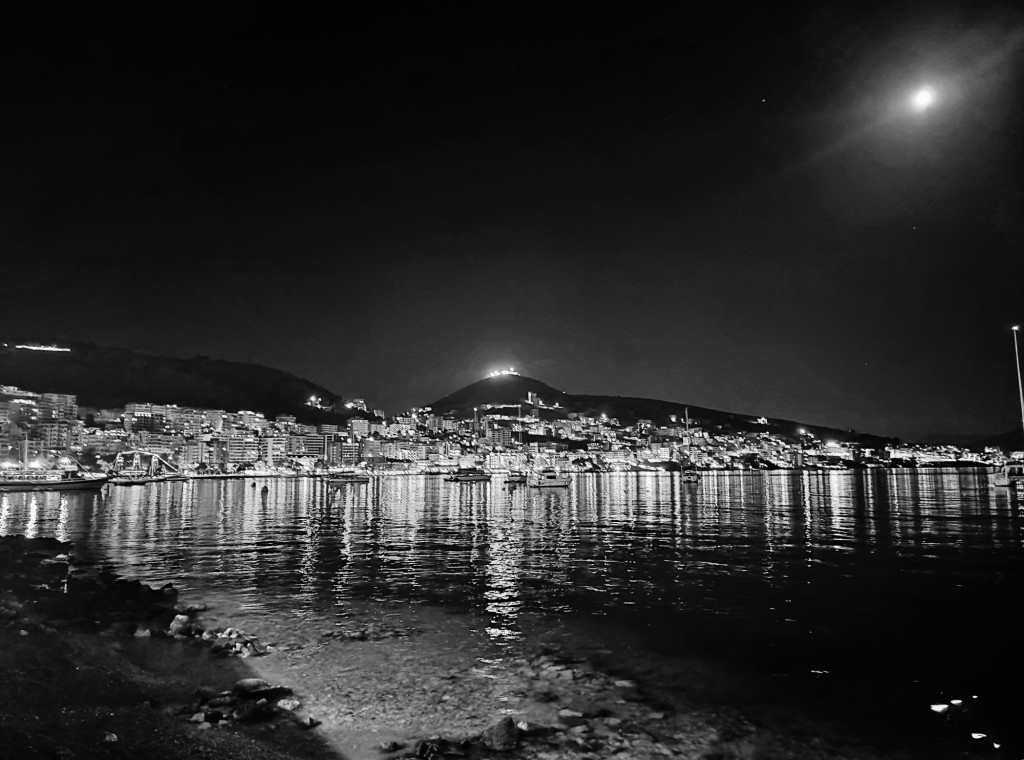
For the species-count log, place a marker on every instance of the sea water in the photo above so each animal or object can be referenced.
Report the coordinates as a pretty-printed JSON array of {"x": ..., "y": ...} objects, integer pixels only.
[{"x": 882, "y": 600}]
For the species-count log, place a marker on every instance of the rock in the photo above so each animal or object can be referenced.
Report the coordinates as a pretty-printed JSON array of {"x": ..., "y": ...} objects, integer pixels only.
[
  {"x": 222, "y": 701},
  {"x": 289, "y": 704},
  {"x": 567, "y": 713},
  {"x": 207, "y": 692},
  {"x": 503, "y": 736},
  {"x": 199, "y": 717},
  {"x": 269, "y": 693},
  {"x": 178, "y": 624},
  {"x": 253, "y": 711},
  {"x": 109, "y": 737},
  {"x": 248, "y": 685},
  {"x": 391, "y": 746}
]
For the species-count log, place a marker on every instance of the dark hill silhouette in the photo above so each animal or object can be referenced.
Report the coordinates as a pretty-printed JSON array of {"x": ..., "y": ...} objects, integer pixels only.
[
  {"x": 1011, "y": 440},
  {"x": 112, "y": 377},
  {"x": 503, "y": 389},
  {"x": 512, "y": 390}
]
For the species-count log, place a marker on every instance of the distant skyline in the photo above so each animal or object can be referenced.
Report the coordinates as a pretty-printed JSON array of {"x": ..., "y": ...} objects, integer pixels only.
[{"x": 740, "y": 209}]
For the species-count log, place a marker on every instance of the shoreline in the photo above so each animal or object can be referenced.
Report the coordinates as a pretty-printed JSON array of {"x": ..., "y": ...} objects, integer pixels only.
[{"x": 417, "y": 682}]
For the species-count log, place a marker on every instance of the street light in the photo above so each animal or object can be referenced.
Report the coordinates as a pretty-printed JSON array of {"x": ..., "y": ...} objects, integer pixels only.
[{"x": 1020, "y": 387}]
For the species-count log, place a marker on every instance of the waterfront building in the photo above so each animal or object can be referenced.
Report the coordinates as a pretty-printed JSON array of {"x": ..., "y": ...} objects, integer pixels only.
[
  {"x": 103, "y": 442},
  {"x": 157, "y": 443},
  {"x": 369, "y": 450},
  {"x": 273, "y": 450},
  {"x": 56, "y": 434},
  {"x": 242, "y": 450},
  {"x": 319, "y": 447},
  {"x": 348, "y": 453},
  {"x": 58, "y": 406}
]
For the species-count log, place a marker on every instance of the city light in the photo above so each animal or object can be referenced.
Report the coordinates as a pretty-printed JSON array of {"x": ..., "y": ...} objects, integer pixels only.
[{"x": 37, "y": 347}]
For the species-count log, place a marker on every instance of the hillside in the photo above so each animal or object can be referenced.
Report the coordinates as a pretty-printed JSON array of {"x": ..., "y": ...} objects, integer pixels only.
[
  {"x": 112, "y": 377},
  {"x": 512, "y": 390}
]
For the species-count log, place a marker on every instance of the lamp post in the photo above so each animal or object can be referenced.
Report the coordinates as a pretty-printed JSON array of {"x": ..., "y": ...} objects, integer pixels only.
[{"x": 1020, "y": 387}]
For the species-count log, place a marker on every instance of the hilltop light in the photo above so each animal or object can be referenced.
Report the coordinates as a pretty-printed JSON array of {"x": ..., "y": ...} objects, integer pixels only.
[{"x": 500, "y": 372}]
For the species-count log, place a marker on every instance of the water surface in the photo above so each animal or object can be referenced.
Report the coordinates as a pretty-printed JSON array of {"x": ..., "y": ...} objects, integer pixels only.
[{"x": 857, "y": 596}]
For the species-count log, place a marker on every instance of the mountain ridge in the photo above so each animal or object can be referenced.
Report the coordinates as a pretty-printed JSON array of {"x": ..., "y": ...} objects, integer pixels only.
[
  {"x": 108, "y": 377},
  {"x": 511, "y": 390}
]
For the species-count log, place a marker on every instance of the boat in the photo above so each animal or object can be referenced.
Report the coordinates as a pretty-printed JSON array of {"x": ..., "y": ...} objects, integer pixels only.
[
  {"x": 139, "y": 472},
  {"x": 135, "y": 480},
  {"x": 689, "y": 475},
  {"x": 468, "y": 475},
  {"x": 1010, "y": 475},
  {"x": 548, "y": 478},
  {"x": 342, "y": 478},
  {"x": 516, "y": 478},
  {"x": 36, "y": 479}
]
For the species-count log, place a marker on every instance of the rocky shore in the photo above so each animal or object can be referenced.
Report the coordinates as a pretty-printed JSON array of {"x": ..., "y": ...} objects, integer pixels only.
[{"x": 97, "y": 666}]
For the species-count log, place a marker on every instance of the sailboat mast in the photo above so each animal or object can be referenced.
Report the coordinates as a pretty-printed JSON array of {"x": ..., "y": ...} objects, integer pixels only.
[{"x": 1020, "y": 386}]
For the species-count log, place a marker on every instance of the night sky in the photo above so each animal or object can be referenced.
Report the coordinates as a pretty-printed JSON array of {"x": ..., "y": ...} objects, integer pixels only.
[{"x": 733, "y": 208}]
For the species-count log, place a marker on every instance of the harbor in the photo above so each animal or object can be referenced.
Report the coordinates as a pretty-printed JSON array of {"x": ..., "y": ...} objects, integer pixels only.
[{"x": 747, "y": 610}]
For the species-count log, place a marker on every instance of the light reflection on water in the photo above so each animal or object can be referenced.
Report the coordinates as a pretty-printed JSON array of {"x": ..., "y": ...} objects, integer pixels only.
[{"x": 870, "y": 575}]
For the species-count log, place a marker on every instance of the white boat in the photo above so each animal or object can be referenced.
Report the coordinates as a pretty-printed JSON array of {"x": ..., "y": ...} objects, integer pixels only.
[
  {"x": 1011, "y": 474},
  {"x": 689, "y": 475},
  {"x": 468, "y": 475},
  {"x": 516, "y": 478},
  {"x": 547, "y": 478},
  {"x": 35, "y": 479}
]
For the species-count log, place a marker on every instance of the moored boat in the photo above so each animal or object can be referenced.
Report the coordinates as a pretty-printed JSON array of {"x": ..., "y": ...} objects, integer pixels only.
[
  {"x": 139, "y": 468},
  {"x": 468, "y": 475},
  {"x": 516, "y": 478},
  {"x": 1011, "y": 474},
  {"x": 342, "y": 478},
  {"x": 32, "y": 479},
  {"x": 136, "y": 480},
  {"x": 548, "y": 478}
]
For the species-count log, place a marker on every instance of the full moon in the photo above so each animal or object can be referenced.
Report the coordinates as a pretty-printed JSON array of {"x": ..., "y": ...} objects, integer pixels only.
[{"x": 923, "y": 98}]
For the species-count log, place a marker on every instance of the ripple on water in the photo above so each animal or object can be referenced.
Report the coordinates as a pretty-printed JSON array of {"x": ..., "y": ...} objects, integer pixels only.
[{"x": 897, "y": 583}]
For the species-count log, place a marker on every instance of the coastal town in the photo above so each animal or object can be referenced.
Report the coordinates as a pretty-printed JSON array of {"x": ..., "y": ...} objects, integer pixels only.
[{"x": 40, "y": 427}]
